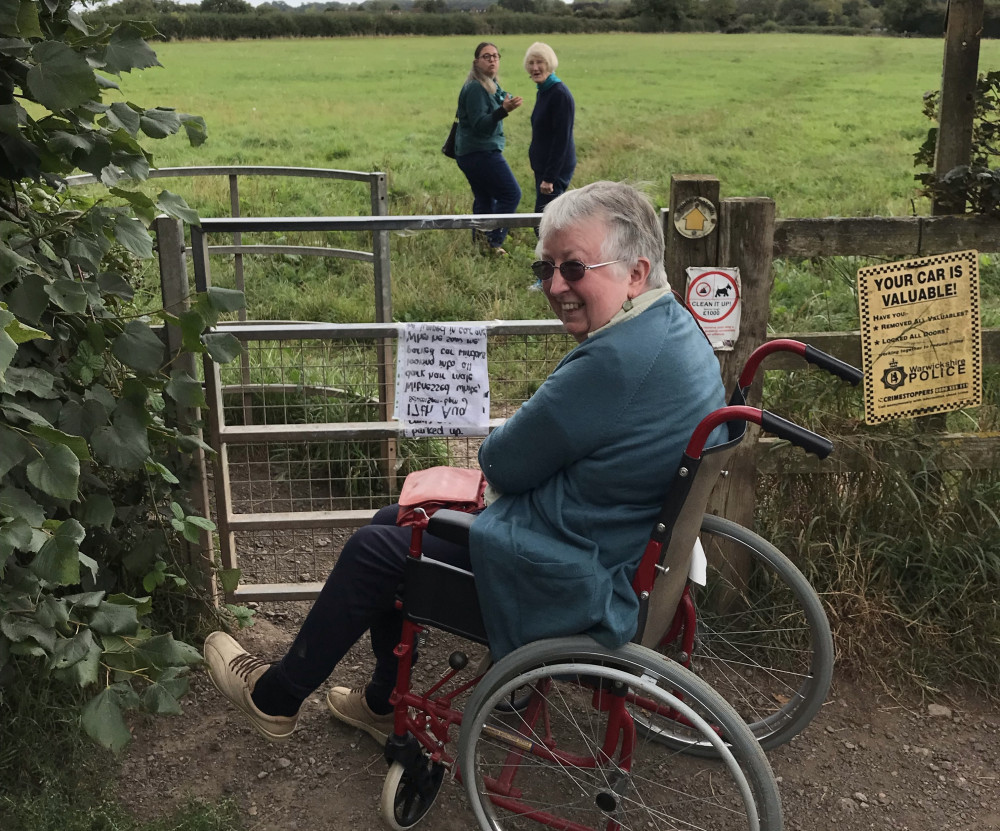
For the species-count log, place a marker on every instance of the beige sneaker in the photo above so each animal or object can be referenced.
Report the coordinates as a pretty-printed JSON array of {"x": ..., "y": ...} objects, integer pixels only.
[
  {"x": 234, "y": 671},
  {"x": 350, "y": 707}
]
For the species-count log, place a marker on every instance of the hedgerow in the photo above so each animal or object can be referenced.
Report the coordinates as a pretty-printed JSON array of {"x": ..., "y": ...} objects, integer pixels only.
[{"x": 93, "y": 506}]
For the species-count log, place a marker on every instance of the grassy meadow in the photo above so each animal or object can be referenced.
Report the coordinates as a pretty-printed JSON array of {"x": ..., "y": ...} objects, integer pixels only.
[{"x": 827, "y": 126}]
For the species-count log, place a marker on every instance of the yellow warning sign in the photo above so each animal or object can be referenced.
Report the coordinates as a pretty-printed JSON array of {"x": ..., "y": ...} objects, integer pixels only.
[{"x": 920, "y": 336}]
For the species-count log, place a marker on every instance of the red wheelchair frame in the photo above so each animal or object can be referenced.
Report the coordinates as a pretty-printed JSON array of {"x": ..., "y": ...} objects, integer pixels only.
[{"x": 651, "y": 705}]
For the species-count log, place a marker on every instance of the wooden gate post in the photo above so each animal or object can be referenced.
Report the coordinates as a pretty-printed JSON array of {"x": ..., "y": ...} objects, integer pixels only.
[
  {"x": 175, "y": 293},
  {"x": 746, "y": 241}
]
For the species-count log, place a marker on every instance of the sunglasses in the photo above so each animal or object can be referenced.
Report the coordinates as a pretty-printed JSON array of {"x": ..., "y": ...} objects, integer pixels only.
[{"x": 571, "y": 270}]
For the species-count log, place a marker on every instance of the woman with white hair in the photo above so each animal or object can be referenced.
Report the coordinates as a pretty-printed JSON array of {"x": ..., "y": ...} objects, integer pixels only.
[
  {"x": 479, "y": 141},
  {"x": 552, "y": 153}
]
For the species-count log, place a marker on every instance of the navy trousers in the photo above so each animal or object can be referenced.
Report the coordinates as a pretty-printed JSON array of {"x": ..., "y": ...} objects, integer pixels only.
[
  {"x": 494, "y": 188},
  {"x": 359, "y": 595}
]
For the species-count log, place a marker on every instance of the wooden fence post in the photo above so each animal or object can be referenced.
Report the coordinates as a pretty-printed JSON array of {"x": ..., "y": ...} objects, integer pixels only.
[
  {"x": 958, "y": 91},
  {"x": 685, "y": 252},
  {"x": 746, "y": 242},
  {"x": 175, "y": 294}
]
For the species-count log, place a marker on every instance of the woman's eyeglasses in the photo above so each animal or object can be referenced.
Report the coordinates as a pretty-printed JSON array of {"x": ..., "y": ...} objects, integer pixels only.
[
  {"x": 571, "y": 270},
  {"x": 490, "y": 56}
]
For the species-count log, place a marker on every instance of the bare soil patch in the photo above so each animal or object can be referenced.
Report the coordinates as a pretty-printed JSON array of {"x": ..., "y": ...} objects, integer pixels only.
[{"x": 874, "y": 758}]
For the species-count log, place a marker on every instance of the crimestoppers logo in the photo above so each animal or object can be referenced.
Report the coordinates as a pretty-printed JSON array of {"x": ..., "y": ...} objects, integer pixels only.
[{"x": 894, "y": 376}]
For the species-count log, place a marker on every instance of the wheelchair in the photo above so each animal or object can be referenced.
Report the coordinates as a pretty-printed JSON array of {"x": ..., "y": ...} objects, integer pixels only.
[{"x": 566, "y": 733}]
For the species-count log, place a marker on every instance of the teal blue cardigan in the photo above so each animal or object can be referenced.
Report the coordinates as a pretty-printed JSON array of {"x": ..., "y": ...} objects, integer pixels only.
[
  {"x": 480, "y": 119},
  {"x": 583, "y": 467}
]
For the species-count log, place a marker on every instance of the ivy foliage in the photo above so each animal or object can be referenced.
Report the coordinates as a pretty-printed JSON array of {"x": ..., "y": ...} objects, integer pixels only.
[
  {"x": 93, "y": 506},
  {"x": 977, "y": 184}
]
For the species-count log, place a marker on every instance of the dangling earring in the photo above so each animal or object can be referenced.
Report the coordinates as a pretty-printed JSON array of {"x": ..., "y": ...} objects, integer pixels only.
[{"x": 627, "y": 305}]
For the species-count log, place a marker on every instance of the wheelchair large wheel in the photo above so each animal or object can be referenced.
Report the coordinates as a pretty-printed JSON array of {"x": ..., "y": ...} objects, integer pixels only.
[
  {"x": 763, "y": 642},
  {"x": 579, "y": 755}
]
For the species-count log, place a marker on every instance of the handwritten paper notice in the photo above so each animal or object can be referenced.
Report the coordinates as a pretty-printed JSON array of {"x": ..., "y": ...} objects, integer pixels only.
[{"x": 442, "y": 382}]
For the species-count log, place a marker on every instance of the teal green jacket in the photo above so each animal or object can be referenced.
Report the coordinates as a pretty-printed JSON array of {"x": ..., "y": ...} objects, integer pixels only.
[
  {"x": 480, "y": 119},
  {"x": 583, "y": 467}
]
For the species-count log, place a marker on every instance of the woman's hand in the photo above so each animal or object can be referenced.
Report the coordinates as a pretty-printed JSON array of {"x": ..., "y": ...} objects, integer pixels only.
[{"x": 511, "y": 104}]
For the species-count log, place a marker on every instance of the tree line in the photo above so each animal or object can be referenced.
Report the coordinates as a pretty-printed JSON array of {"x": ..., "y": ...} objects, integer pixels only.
[{"x": 237, "y": 19}]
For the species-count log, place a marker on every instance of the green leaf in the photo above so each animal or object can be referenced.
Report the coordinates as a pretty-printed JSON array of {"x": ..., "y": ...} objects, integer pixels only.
[
  {"x": 115, "y": 284},
  {"x": 139, "y": 347},
  {"x": 127, "y": 51},
  {"x": 230, "y": 579},
  {"x": 86, "y": 364},
  {"x": 122, "y": 116},
  {"x": 173, "y": 205},
  {"x": 144, "y": 207},
  {"x": 77, "y": 444},
  {"x": 19, "y": 333},
  {"x": 27, "y": 20},
  {"x": 83, "y": 672},
  {"x": 10, "y": 260},
  {"x": 196, "y": 129},
  {"x": 131, "y": 234},
  {"x": 225, "y": 300},
  {"x": 97, "y": 510},
  {"x": 184, "y": 389},
  {"x": 52, "y": 612},
  {"x": 164, "y": 472},
  {"x": 61, "y": 78},
  {"x": 222, "y": 347},
  {"x": 29, "y": 299},
  {"x": 19, "y": 629},
  {"x": 163, "y": 651},
  {"x": 85, "y": 600},
  {"x": 104, "y": 722},
  {"x": 58, "y": 563},
  {"x": 68, "y": 295},
  {"x": 83, "y": 419},
  {"x": 15, "y": 502},
  {"x": 14, "y": 535},
  {"x": 33, "y": 380},
  {"x": 70, "y": 650},
  {"x": 115, "y": 619},
  {"x": 14, "y": 448},
  {"x": 158, "y": 699},
  {"x": 125, "y": 443},
  {"x": 159, "y": 122},
  {"x": 57, "y": 473}
]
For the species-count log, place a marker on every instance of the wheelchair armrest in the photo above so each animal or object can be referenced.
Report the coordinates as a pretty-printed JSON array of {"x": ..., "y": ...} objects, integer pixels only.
[{"x": 452, "y": 526}]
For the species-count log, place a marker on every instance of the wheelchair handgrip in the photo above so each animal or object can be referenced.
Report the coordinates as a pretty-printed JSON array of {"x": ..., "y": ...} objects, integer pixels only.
[
  {"x": 834, "y": 366},
  {"x": 799, "y": 436}
]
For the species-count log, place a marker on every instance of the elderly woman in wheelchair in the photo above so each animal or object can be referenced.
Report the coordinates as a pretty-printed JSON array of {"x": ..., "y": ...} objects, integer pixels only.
[{"x": 572, "y": 726}]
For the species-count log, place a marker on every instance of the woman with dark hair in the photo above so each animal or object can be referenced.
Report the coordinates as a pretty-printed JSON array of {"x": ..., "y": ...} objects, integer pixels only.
[
  {"x": 552, "y": 152},
  {"x": 479, "y": 141}
]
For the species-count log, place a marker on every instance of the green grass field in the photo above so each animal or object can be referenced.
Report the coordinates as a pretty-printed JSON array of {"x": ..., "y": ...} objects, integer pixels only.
[{"x": 827, "y": 126}]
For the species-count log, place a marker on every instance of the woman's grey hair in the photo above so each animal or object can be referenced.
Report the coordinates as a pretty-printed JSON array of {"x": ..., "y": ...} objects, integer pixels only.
[
  {"x": 544, "y": 52},
  {"x": 475, "y": 74},
  {"x": 633, "y": 226}
]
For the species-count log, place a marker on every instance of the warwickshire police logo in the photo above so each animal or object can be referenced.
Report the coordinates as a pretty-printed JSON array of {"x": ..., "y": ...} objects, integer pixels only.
[{"x": 894, "y": 376}]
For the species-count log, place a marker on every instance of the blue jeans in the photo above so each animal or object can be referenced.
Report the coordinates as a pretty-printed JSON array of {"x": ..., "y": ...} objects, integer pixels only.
[{"x": 494, "y": 188}]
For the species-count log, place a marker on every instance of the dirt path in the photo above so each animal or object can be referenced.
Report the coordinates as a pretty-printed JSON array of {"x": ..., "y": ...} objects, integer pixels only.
[{"x": 871, "y": 759}]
